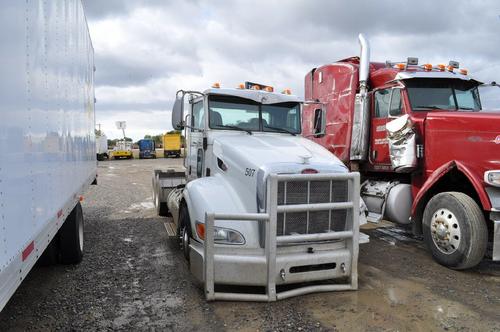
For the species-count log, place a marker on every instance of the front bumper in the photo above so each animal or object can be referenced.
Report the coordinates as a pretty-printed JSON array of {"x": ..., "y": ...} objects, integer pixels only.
[
  {"x": 495, "y": 217},
  {"x": 294, "y": 264},
  {"x": 122, "y": 154},
  {"x": 147, "y": 154},
  {"x": 494, "y": 196}
]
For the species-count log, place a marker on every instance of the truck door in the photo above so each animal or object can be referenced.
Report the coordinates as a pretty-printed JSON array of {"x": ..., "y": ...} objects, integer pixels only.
[
  {"x": 386, "y": 106},
  {"x": 196, "y": 155}
]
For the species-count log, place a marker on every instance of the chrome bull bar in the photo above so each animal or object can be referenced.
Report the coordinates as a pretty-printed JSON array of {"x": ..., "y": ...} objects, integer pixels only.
[{"x": 350, "y": 235}]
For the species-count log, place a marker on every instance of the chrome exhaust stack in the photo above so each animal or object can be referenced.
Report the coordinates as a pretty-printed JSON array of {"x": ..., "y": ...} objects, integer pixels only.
[
  {"x": 361, "y": 121},
  {"x": 364, "y": 63}
]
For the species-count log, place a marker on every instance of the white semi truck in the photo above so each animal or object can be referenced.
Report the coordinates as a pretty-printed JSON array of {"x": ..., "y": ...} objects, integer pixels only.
[
  {"x": 47, "y": 140},
  {"x": 259, "y": 205}
]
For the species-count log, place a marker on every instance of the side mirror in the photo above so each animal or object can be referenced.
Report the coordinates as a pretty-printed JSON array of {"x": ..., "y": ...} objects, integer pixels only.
[{"x": 178, "y": 111}]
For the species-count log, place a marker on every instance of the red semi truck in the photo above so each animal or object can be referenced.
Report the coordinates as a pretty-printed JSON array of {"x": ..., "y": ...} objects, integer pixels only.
[{"x": 428, "y": 153}]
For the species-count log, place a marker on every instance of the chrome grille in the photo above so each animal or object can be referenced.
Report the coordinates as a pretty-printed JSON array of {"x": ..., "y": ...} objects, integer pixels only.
[{"x": 311, "y": 192}]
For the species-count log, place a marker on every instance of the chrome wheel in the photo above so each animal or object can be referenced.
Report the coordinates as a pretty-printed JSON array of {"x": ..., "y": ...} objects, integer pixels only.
[
  {"x": 185, "y": 242},
  {"x": 445, "y": 231},
  {"x": 80, "y": 234}
]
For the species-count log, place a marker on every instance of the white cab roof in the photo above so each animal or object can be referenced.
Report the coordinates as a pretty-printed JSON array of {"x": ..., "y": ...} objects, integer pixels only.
[
  {"x": 405, "y": 75},
  {"x": 259, "y": 96}
]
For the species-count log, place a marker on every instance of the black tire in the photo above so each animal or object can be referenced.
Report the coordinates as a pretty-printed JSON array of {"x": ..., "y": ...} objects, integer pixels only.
[
  {"x": 184, "y": 231},
  {"x": 455, "y": 221},
  {"x": 51, "y": 254},
  {"x": 71, "y": 237}
]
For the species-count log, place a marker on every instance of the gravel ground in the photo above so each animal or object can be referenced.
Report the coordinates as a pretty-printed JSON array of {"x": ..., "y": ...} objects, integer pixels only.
[{"x": 134, "y": 278}]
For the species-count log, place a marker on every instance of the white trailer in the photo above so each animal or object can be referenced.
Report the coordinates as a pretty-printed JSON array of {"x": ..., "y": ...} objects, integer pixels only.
[
  {"x": 47, "y": 140},
  {"x": 101, "y": 145}
]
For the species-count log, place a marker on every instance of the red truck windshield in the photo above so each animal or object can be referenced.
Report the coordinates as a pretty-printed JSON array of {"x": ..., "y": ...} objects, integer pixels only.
[{"x": 445, "y": 94}]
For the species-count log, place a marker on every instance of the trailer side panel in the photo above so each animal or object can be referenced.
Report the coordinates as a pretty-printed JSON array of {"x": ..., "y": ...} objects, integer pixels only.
[{"x": 47, "y": 141}]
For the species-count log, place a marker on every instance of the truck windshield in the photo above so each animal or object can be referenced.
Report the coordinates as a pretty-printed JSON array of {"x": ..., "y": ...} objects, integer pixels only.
[
  {"x": 490, "y": 97},
  {"x": 234, "y": 113},
  {"x": 445, "y": 94}
]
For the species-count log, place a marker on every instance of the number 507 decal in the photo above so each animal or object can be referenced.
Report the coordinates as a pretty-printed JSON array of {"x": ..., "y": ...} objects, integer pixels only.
[{"x": 249, "y": 171}]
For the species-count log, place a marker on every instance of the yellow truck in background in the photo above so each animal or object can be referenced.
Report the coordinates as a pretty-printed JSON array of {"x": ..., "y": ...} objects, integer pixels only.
[
  {"x": 123, "y": 149},
  {"x": 172, "y": 145}
]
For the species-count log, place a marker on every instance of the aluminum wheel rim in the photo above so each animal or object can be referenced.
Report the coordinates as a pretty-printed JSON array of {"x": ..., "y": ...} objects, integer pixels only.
[
  {"x": 185, "y": 240},
  {"x": 445, "y": 231},
  {"x": 80, "y": 234}
]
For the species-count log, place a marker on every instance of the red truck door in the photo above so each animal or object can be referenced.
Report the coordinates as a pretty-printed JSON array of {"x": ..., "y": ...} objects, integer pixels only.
[{"x": 386, "y": 106}]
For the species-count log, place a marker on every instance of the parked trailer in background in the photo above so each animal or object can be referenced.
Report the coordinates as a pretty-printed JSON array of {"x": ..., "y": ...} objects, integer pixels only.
[
  {"x": 47, "y": 114},
  {"x": 101, "y": 143},
  {"x": 172, "y": 145},
  {"x": 147, "y": 148}
]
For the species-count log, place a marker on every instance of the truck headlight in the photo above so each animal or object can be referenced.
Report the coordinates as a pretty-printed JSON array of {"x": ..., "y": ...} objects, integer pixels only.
[
  {"x": 221, "y": 235},
  {"x": 492, "y": 178}
]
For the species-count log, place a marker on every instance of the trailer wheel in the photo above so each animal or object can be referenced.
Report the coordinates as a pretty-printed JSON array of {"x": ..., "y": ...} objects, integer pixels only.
[
  {"x": 71, "y": 237},
  {"x": 455, "y": 230},
  {"x": 184, "y": 231},
  {"x": 50, "y": 255}
]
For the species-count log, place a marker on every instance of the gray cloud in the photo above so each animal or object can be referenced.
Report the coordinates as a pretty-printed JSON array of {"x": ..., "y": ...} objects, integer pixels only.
[{"x": 147, "y": 49}]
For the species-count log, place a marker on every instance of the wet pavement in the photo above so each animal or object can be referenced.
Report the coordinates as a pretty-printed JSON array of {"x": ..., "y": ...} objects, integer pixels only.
[{"x": 134, "y": 278}]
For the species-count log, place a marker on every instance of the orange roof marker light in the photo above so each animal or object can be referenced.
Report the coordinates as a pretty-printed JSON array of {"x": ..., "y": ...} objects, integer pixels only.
[
  {"x": 241, "y": 86},
  {"x": 441, "y": 67},
  {"x": 464, "y": 71},
  {"x": 427, "y": 67},
  {"x": 258, "y": 86},
  {"x": 286, "y": 92},
  {"x": 400, "y": 66},
  {"x": 216, "y": 85},
  {"x": 450, "y": 69}
]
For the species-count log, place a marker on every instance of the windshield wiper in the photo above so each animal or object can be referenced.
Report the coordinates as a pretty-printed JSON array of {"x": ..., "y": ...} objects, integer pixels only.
[
  {"x": 430, "y": 107},
  {"x": 282, "y": 130},
  {"x": 234, "y": 127}
]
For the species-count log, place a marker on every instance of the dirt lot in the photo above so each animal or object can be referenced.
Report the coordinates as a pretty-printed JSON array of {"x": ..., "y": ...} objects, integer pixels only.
[{"x": 133, "y": 278}]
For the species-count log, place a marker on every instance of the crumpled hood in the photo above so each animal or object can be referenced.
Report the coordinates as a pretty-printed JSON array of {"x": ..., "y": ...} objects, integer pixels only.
[{"x": 258, "y": 150}]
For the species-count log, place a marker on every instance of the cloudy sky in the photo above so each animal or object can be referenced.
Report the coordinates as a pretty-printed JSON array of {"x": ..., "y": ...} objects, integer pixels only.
[{"x": 145, "y": 50}]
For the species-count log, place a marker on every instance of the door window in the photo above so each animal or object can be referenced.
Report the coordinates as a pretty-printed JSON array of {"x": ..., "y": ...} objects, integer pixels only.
[
  {"x": 382, "y": 100},
  {"x": 395, "y": 109},
  {"x": 198, "y": 116}
]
